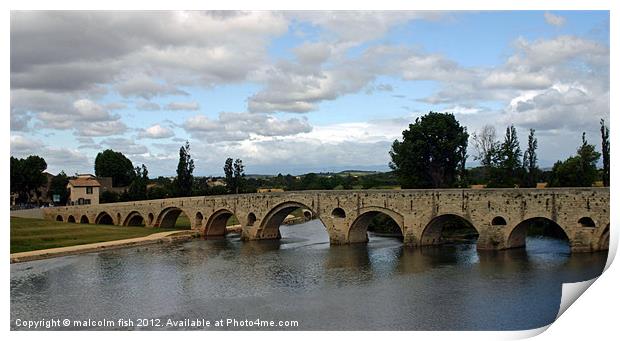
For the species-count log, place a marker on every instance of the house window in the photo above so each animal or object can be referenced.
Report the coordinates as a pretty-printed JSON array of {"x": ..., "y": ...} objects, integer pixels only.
[
  {"x": 89, "y": 190},
  {"x": 86, "y": 201}
]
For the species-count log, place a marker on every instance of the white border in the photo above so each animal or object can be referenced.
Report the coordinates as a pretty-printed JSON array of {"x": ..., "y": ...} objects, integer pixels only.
[{"x": 590, "y": 317}]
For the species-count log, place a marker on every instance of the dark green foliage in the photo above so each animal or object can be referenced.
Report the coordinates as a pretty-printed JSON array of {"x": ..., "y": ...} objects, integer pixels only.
[
  {"x": 58, "y": 186},
  {"x": 432, "y": 152},
  {"x": 228, "y": 175},
  {"x": 530, "y": 162},
  {"x": 108, "y": 197},
  {"x": 238, "y": 174},
  {"x": 507, "y": 171},
  {"x": 137, "y": 189},
  {"x": 605, "y": 149},
  {"x": 233, "y": 172},
  {"x": 382, "y": 223},
  {"x": 185, "y": 170},
  {"x": 579, "y": 170},
  {"x": 115, "y": 165},
  {"x": 27, "y": 176}
]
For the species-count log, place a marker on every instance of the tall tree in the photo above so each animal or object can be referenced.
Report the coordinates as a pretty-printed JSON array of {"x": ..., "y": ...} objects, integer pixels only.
[
  {"x": 589, "y": 158},
  {"x": 579, "y": 170},
  {"x": 530, "y": 161},
  {"x": 27, "y": 175},
  {"x": 185, "y": 170},
  {"x": 238, "y": 174},
  {"x": 58, "y": 186},
  {"x": 486, "y": 146},
  {"x": 430, "y": 152},
  {"x": 605, "y": 149},
  {"x": 115, "y": 165},
  {"x": 137, "y": 188},
  {"x": 229, "y": 175},
  {"x": 508, "y": 170}
]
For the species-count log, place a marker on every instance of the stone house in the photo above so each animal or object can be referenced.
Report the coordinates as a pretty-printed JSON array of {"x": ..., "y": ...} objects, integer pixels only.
[{"x": 83, "y": 190}]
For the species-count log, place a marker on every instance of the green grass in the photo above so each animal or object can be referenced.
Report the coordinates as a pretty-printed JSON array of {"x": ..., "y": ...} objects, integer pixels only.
[
  {"x": 37, "y": 234},
  {"x": 182, "y": 222}
]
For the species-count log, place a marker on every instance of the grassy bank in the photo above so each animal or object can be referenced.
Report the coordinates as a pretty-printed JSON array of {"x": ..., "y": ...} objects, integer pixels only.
[{"x": 36, "y": 234}]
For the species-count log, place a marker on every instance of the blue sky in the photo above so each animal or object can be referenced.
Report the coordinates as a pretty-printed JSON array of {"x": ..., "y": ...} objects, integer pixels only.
[{"x": 297, "y": 91}]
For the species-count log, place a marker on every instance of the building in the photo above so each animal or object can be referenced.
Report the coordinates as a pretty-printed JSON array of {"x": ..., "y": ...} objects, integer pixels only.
[{"x": 83, "y": 190}]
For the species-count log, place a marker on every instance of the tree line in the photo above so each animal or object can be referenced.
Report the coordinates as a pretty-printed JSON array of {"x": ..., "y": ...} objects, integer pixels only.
[{"x": 432, "y": 154}]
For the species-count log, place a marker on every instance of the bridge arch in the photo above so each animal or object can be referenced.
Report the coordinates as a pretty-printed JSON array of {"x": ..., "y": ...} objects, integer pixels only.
[
  {"x": 270, "y": 225},
  {"x": 134, "y": 218},
  {"x": 168, "y": 216},
  {"x": 84, "y": 219},
  {"x": 338, "y": 212},
  {"x": 104, "y": 218},
  {"x": 517, "y": 235},
  {"x": 358, "y": 229},
  {"x": 499, "y": 220},
  {"x": 59, "y": 218},
  {"x": 150, "y": 218},
  {"x": 216, "y": 224},
  {"x": 71, "y": 219},
  {"x": 586, "y": 222},
  {"x": 434, "y": 229},
  {"x": 251, "y": 219}
]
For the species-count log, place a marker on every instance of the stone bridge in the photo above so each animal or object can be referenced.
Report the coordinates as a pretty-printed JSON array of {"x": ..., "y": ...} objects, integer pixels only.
[{"x": 500, "y": 216}]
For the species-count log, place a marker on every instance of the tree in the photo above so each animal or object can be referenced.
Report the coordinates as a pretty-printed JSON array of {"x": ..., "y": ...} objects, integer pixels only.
[
  {"x": 486, "y": 146},
  {"x": 530, "y": 160},
  {"x": 589, "y": 158},
  {"x": 605, "y": 149},
  {"x": 115, "y": 165},
  {"x": 108, "y": 197},
  {"x": 58, "y": 186},
  {"x": 431, "y": 152},
  {"x": 579, "y": 170},
  {"x": 137, "y": 189},
  {"x": 507, "y": 173},
  {"x": 27, "y": 175},
  {"x": 229, "y": 175},
  {"x": 238, "y": 174},
  {"x": 185, "y": 171}
]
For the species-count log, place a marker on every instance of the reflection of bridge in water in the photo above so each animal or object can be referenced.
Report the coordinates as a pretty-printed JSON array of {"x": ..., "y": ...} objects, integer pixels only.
[{"x": 500, "y": 216}]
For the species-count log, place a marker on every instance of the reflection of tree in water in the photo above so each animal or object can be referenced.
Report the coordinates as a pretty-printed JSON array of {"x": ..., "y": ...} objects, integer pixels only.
[
  {"x": 383, "y": 225},
  {"x": 545, "y": 228},
  {"x": 347, "y": 264}
]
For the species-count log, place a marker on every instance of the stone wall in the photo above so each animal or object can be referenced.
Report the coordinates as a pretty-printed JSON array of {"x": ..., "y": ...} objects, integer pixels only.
[{"x": 499, "y": 215}]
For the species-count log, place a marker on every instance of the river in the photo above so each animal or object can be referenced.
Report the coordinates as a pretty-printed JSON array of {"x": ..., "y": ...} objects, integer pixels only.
[{"x": 381, "y": 285}]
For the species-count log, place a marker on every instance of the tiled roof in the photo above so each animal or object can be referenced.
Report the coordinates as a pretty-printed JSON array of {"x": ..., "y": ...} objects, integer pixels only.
[{"x": 84, "y": 183}]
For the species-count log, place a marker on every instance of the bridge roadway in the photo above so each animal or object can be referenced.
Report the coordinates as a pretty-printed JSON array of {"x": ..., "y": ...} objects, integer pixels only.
[{"x": 500, "y": 216}]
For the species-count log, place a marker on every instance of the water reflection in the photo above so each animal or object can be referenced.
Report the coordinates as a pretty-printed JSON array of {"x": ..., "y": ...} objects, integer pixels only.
[{"x": 380, "y": 285}]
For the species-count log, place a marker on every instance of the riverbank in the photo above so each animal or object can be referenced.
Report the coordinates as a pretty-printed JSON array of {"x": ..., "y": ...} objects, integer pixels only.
[
  {"x": 38, "y": 234},
  {"x": 155, "y": 238}
]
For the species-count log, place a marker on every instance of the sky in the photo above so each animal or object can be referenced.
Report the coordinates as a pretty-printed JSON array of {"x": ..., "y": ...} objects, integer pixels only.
[{"x": 297, "y": 91}]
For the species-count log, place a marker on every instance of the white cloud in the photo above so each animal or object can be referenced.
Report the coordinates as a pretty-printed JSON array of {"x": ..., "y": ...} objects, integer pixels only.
[
  {"x": 146, "y": 88},
  {"x": 554, "y": 20},
  {"x": 105, "y": 128},
  {"x": 147, "y": 106},
  {"x": 241, "y": 126},
  {"x": 20, "y": 143},
  {"x": 156, "y": 132},
  {"x": 125, "y": 146},
  {"x": 184, "y": 106},
  {"x": 91, "y": 111}
]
